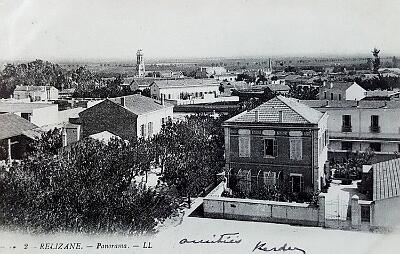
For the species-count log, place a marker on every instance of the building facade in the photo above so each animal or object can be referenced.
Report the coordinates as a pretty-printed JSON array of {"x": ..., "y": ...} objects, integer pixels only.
[
  {"x": 280, "y": 141},
  {"x": 341, "y": 91},
  {"x": 360, "y": 126},
  {"x": 184, "y": 89},
  {"x": 36, "y": 93},
  {"x": 40, "y": 114},
  {"x": 126, "y": 117}
]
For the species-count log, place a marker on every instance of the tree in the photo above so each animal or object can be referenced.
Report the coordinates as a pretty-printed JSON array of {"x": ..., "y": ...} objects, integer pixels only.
[
  {"x": 192, "y": 153},
  {"x": 88, "y": 188},
  {"x": 377, "y": 61}
]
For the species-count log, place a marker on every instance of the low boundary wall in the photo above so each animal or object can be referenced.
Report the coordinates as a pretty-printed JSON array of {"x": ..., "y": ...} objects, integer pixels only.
[{"x": 216, "y": 206}]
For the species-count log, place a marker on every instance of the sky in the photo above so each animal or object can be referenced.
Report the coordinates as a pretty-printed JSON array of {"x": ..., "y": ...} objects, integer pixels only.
[{"x": 110, "y": 29}]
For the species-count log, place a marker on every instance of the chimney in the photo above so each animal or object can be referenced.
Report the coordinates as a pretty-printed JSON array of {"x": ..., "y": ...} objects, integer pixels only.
[
  {"x": 256, "y": 116},
  {"x": 280, "y": 115},
  {"x": 122, "y": 101}
]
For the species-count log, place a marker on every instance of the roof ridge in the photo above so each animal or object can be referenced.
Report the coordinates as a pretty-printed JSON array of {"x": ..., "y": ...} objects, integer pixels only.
[{"x": 295, "y": 110}]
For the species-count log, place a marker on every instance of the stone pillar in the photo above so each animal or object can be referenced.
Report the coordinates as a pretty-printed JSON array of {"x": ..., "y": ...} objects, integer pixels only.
[
  {"x": 355, "y": 212},
  {"x": 321, "y": 210}
]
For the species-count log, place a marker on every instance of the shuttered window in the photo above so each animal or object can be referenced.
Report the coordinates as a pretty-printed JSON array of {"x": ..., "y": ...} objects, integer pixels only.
[
  {"x": 269, "y": 178},
  {"x": 296, "y": 149},
  {"x": 244, "y": 143}
]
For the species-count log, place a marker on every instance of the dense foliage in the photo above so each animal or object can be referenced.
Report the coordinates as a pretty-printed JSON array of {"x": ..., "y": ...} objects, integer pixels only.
[
  {"x": 191, "y": 153},
  {"x": 90, "y": 186}
]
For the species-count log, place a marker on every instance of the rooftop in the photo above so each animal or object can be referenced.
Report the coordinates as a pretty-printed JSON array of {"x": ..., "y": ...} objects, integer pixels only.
[
  {"x": 327, "y": 104},
  {"x": 12, "y": 125},
  {"x": 278, "y": 87},
  {"x": 186, "y": 83},
  {"x": 139, "y": 104},
  {"x": 292, "y": 112},
  {"x": 386, "y": 179},
  {"x": 337, "y": 86},
  {"x": 22, "y": 107},
  {"x": 31, "y": 88}
]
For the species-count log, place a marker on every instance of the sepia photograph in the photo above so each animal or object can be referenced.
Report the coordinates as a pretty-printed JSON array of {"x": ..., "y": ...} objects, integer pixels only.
[{"x": 208, "y": 126}]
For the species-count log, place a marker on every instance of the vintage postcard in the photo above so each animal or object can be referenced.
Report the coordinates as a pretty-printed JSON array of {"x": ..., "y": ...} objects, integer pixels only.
[{"x": 212, "y": 126}]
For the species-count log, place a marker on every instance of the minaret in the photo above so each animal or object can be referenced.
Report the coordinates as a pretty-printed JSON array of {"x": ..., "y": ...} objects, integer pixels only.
[{"x": 140, "y": 64}]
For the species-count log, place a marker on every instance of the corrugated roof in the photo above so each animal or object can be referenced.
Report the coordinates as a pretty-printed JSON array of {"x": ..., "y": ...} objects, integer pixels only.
[
  {"x": 22, "y": 107},
  {"x": 386, "y": 183},
  {"x": 12, "y": 125},
  {"x": 186, "y": 83},
  {"x": 292, "y": 112},
  {"x": 139, "y": 104}
]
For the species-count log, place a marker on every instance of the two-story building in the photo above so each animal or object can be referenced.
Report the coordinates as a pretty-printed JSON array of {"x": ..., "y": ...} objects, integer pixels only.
[
  {"x": 361, "y": 125},
  {"x": 127, "y": 117},
  {"x": 281, "y": 140},
  {"x": 36, "y": 93},
  {"x": 341, "y": 91}
]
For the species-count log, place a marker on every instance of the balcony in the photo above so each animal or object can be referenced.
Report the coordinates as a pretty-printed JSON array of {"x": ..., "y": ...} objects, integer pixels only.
[
  {"x": 346, "y": 128},
  {"x": 375, "y": 129}
]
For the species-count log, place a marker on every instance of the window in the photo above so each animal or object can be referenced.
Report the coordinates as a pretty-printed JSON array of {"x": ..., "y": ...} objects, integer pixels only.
[
  {"x": 150, "y": 129},
  {"x": 326, "y": 138},
  {"x": 297, "y": 182},
  {"x": 269, "y": 178},
  {"x": 376, "y": 147},
  {"x": 348, "y": 146},
  {"x": 169, "y": 96},
  {"x": 244, "y": 143},
  {"x": 26, "y": 116},
  {"x": 331, "y": 96},
  {"x": 296, "y": 149},
  {"x": 270, "y": 147},
  {"x": 324, "y": 95},
  {"x": 375, "y": 123},
  {"x": 340, "y": 97},
  {"x": 346, "y": 123},
  {"x": 142, "y": 130}
]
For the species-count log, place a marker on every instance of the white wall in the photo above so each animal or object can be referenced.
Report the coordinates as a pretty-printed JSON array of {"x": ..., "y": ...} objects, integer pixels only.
[
  {"x": 156, "y": 118},
  {"x": 386, "y": 213},
  {"x": 45, "y": 116},
  {"x": 175, "y": 92},
  {"x": 355, "y": 92}
]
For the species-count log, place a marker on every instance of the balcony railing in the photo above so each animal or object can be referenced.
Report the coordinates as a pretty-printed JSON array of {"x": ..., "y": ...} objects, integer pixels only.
[
  {"x": 375, "y": 129},
  {"x": 346, "y": 128}
]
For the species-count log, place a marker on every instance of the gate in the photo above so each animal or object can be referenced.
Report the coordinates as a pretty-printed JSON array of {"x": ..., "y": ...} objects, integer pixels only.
[{"x": 337, "y": 214}]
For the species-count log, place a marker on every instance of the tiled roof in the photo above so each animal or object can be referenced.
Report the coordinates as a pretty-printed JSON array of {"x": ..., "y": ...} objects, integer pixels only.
[
  {"x": 12, "y": 125},
  {"x": 337, "y": 86},
  {"x": 22, "y": 107},
  {"x": 278, "y": 87},
  {"x": 352, "y": 104},
  {"x": 186, "y": 83},
  {"x": 139, "y": 104},
  {"x": 386, "y": 179},
  {"x": 292, "y": 112}
]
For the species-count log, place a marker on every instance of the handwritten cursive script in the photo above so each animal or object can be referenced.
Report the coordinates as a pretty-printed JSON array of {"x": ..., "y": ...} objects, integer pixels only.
[
  {"x": 263, "y": 247},
  {"x": 222, "y": 238}
]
